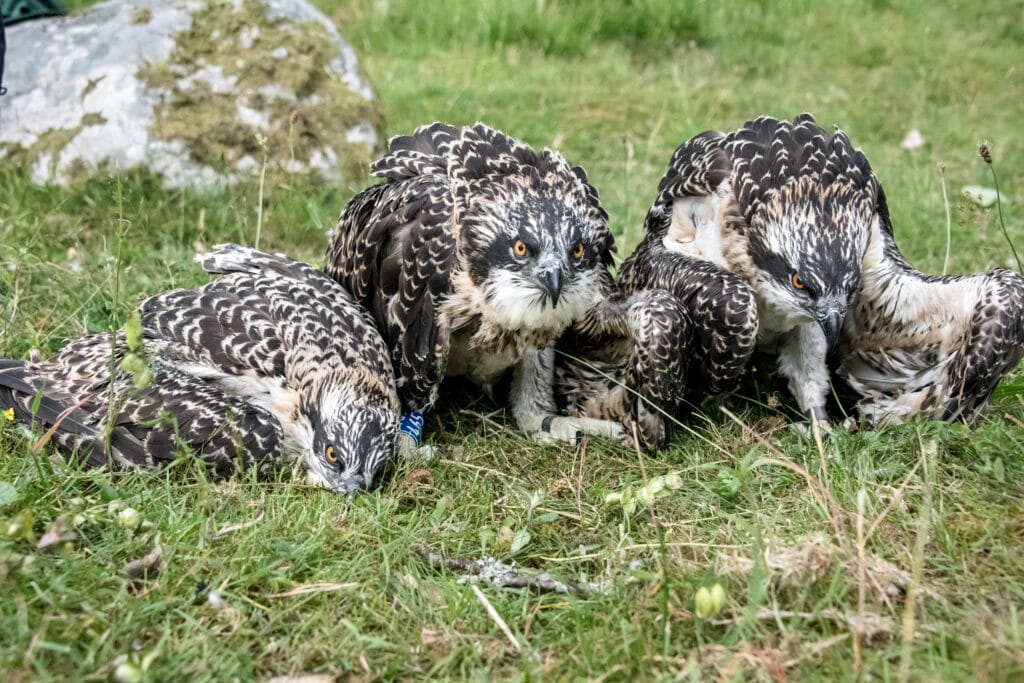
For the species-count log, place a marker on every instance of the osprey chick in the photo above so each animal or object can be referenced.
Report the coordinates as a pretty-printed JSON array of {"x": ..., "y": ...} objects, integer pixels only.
[
  {"x": 272, "y": 361},
  {"x": 778, "y": 236},
  {"x": 785, "y": 208},
  {"x": 473, "y": 255}
]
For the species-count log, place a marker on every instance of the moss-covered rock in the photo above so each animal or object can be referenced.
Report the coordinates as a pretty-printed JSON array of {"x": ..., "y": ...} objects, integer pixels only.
[{"x": 200, "y": 91}]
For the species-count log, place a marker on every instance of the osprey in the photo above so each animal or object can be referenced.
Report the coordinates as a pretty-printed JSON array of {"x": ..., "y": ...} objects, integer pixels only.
[
  {"x": 473, "y": 256},
  {"x": 925, "y": 344},
  {"x": 777, "y": 236},
  {"x": 786, "y": 208},
  {"x": 273, "y": 361}
]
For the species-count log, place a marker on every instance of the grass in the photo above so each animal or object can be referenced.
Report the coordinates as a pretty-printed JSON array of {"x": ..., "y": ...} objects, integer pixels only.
[{"x": 816, "y": 589}]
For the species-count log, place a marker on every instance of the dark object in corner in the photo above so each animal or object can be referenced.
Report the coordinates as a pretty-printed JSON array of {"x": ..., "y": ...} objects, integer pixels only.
[
  {"x": 14, "y": 11},
  {"x": 3, "y": 49}
]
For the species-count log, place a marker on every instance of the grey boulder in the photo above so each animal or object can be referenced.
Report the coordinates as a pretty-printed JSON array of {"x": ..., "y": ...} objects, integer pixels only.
[{"x": 199, "y": 91}]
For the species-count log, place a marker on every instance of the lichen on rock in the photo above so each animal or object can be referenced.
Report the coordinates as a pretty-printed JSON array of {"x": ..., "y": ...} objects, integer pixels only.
[
  {"x": 184, "y": 89},
  {"x": 236, "y": 72}
]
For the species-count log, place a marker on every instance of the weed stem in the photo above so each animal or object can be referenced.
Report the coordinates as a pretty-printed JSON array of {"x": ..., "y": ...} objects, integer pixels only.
[
  {"x": 1002, "y": 223},
  {"x": 949, "y": 222}
]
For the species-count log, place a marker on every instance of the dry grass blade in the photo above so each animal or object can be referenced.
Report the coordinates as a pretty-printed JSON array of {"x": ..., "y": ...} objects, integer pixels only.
[
  {"x": 949, "y": 218},
  {"x": 643, "y": 474},
  {"x": 816, "y": 431},
  {"x": 582, "y": 450},
  {"x": 923, "y": 525},
  {"x": 1014, "y": 420},
  {"x": 232, "y": 528},
  {"x": 893, "y": 501},
  {"x": 858, "y": 661},
  {"x": 868, "y": 624},
  {"x": 314, "y": 588},
  {"x": 471, "y": 466},
  {"x": 45, "y": 438},
  {"x": 487, "y": 419},
  {"x": 146, "y": 567},
  {"x": 820, "y": 494},
  {"x": 495, "y": 617}
]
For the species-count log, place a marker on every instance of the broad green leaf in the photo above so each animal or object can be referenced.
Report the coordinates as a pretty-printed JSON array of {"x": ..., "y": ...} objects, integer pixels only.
[
  {"x": 8, "y": 494},
  {"x": 519, "y": 541},
  {"x": 983, "y": 196}
]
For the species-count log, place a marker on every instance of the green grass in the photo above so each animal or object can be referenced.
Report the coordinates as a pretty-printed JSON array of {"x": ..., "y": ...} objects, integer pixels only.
[{"x": 615, "y": 86}]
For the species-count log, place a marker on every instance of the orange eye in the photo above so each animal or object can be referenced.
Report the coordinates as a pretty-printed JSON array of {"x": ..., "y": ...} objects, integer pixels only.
[
  {"x": 519, "y": 248},
  {"x": 329, "y": 454},
  {"x": 797, "y": 282},
  {"x": 577, "y": 253}
]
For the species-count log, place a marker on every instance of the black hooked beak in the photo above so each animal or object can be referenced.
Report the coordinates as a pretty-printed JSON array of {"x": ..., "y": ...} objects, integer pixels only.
[
  {"x": 552, "y": 279},
  {"x": 831, "y": 322},
  {"x": 352, "y": 485}
]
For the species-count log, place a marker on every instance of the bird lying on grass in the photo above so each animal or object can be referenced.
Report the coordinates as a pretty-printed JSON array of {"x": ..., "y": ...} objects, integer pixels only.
[
  {"x": 271, "y": 362},
  {"x": 473, "y": 255},
  {"x": 777, "y": 236}
]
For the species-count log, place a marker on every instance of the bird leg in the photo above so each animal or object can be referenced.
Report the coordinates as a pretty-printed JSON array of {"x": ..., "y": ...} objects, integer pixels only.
[
  {"x": 407, "y": 443},
  {"x": 408, "y": 450},
  {"x": 802, "y": 361},
  {"x": 533, "y": 403}
]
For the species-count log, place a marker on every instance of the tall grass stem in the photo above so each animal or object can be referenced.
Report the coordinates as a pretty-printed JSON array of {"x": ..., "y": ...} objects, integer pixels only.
[
  {"x": 1002, "y": 223},
  {"x": 949, "y": 220}
]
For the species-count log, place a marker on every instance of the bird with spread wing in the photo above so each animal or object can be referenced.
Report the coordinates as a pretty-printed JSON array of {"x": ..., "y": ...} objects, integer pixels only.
[
  {"x": 777, "y": 237},
  {"x": 273, "y": 361},
  {"x": 473, "y": 256}
]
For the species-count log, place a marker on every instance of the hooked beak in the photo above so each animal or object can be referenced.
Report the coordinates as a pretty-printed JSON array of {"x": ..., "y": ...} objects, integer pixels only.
[
  {"x": 831, "y": 322},
  {"x": 552, "y": 278},
  {"x": 351, "y": 485}
]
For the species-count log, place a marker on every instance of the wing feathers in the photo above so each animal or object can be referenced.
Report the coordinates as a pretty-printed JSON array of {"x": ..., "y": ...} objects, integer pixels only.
[{"x": 269, "y": 323}]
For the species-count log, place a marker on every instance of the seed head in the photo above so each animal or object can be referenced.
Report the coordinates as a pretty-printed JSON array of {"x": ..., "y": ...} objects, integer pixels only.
[
  {"x": 984, "y": 152},
  {"x": 709, "y": 602}
]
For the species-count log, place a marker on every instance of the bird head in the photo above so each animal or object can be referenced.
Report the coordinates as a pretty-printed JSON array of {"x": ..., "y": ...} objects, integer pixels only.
[
  {"x": 538, "y": 265},
  {"x": 532, "y": 236},
  {"x": 805, "y": 199},
  {"x": 353, "y": 440},
  {"x": 807, "y": 251}
]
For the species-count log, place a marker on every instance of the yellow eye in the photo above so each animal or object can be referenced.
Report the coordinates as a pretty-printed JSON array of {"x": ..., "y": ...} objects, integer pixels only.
[
  {"x": 577, "y": 253},
  {"x": 797, "y": 282},
  {"x": 329, "y": 454},
  {"x": 519, "y": 248}
]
